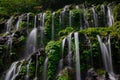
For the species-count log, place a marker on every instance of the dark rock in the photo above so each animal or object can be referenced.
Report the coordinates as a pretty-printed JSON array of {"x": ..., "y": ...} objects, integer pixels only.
[
  {"x": 3, "y": 40},
  {"x": 91, "y": 75}
]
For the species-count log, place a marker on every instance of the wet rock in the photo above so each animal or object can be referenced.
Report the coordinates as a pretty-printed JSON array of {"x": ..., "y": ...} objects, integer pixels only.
[{"x": 91, "y": 75}]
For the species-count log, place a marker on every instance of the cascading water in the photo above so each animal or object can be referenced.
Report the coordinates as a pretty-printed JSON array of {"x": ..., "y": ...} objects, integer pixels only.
[
  {"x": 86, "y": 23},
  {"x": 110, "y": 16},
  {"x": 45, "y": 69},
  {"x": 90, "y": 48},
  {"x": 11, "y": 71},
  {"x": 62, "y": 16},
  {"x": 9, "y": 43},
  {"x": 9, "y": 24},
  {"x": 18, "y": 23},
  {"x": 28, "y": 17},
  {"x": 78, "y": 75},
  {"x": 104, "y": 21},
  {"x": 36, "y": 71},
  {"x": 70, "y": 18},
  {"x": 77, "y": 7},
  {"x": 42, "y": 25},
  {"x": 53, "y": 16},
  {"x": 106, "y": 55},
  {"x": 60, "y": 66},
  {"x": 27, "y": 73},
  {"x": 95, "y": 17},
  {"x": 14, "y": 70},
  {"x": 69, "y": 50},
  {"x": 31, "y": 40},
  {"x": 103, "y": 8}
]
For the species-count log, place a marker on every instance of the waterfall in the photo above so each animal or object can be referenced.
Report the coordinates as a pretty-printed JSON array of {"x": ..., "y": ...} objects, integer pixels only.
[
  {"x": 104, "y": 15},
  {"x": 95, "y": 17},
  {"x": 70, "y": 18},
  {"x": 60, "y": 65},
  {"x": 14, "y": 70},
  {"x": 62, "y": 16},
  {"x": 28, "y": 17},
  {"x": 36, "y": 71},
  {"x": 77, "y": 7},
  {"x": 31, "y": 40},
  {"x": 86, "y": 23},
  {"x": 18, "y": 22},
  {"x": 78, "y": 75},
  {"x": 110, "y": 16},
  {"x": 90, "y": 48},
  {"x": 27, "y": 73},
  {"x": 42, "y": 25},
  {"x": 9, "y": 43},
  {"x": 53, "y": 16},
  {"x": 103, "y": 8},
  {"x": 106, "y": 55},
  {"x": 69, "y": 50},
  {"x": 45, "y": 69},
  {"x": 9, "y": 25}
]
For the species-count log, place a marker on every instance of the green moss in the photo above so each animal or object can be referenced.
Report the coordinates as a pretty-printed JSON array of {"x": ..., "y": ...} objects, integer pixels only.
[
  {"x": 66, "y": 74},
  {"x": 53, "y": 50},
  {"x": 116, "y": 12}
]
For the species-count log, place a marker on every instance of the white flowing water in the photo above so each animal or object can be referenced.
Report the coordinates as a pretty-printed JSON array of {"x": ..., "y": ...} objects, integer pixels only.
[
  {"x": 53, "y": 25},
  {"x": 70, "y": 18},
  {"x": 60, "y": 65},
  {"x": 11, "y": 71},
  {"x": 9, "y": 43},
  {"x": 18, "y": 22},
  {"x": 28, "y": 17},
  {"x": 9, "y": 24},
  {"x": 14, "y": 70},
  {"x": 45, "y": 69},
  {"x": 104, "y": 15},
  {"x": 31, "y": 41},
  {"x": 62, "y": 16},
  {"x": 86, "y": 23},
  {"x": 103, "y": 8},
  {"x": 42, "y": 26},
  {"x": 36, "y": 71},
  {"x": 27, "y": 73},
  {"x": 106, "y": 55},
  {"x": 110, "y": 16},
  {"x": 69, "y": 50},
  {"x": 77, "y": 7},
  {"x": 95, "y": 17},
  {"x": 17, "y": 73},
  {"x": 63, "y": 46},
  {"x": 78, "y": 74}
]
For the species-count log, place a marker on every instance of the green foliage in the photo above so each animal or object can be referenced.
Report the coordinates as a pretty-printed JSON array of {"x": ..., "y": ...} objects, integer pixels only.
[
  {"x": 116, "y": 12},
  {"x": 23, "y": 70},
  {"x": 66, "y": 31},
  {"x": 48, "y": 26},
  {"x": 22, "y": 38},
  {"x": 53, "y": 50},
  {"x": 3, "y": 12},
  {"x": 65, "y": 74},
  {"x": 76, "y": 18},
  {"x": 17, "y": 6},
  {"x": 100, "y": 72}
]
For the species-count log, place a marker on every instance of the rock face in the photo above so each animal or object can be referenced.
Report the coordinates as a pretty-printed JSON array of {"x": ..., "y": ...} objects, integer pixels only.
[
  {"x": 66, "y": 74},
  {"x": 2, "y": 26},
  {"x": 91, "y": 75},
  {"x": 3, "y": 40}
]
